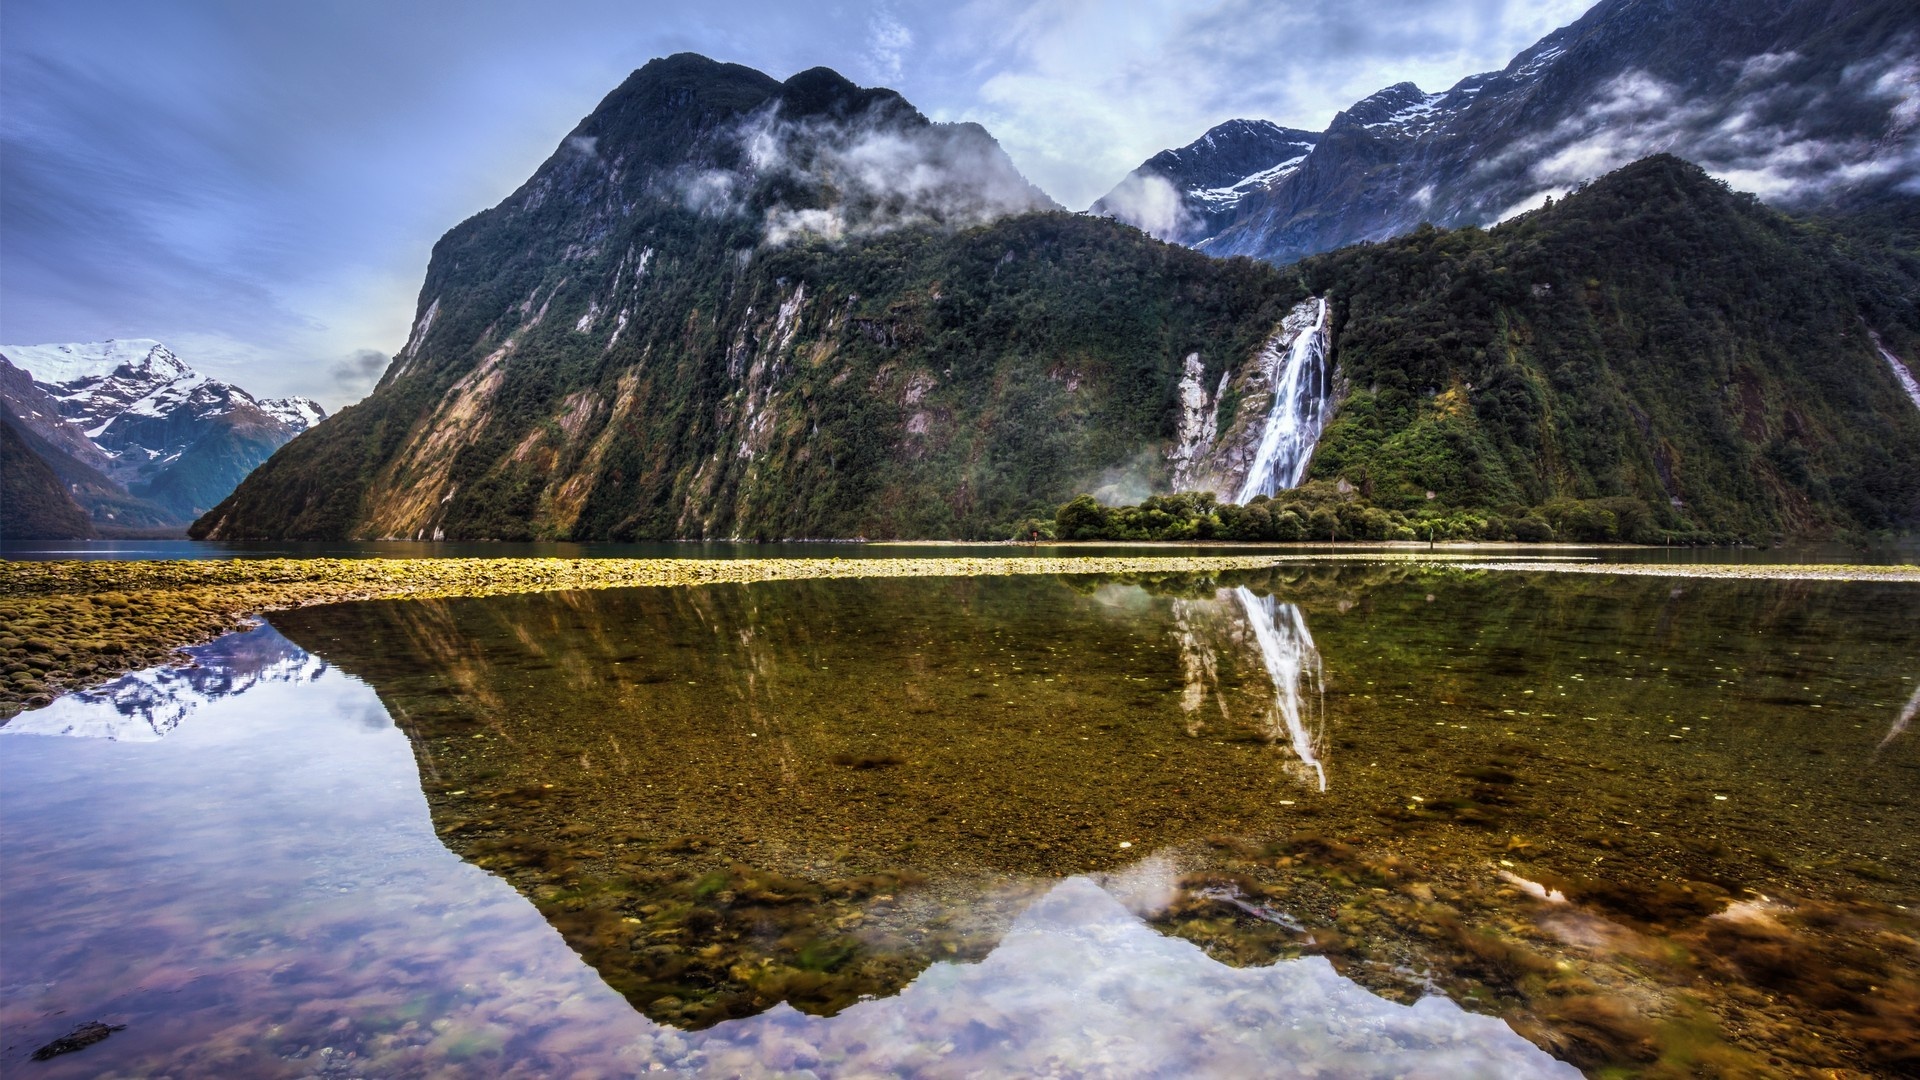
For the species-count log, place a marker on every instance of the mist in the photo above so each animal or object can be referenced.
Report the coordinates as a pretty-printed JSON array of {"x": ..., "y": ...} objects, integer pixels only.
[{"x": 875, "y": 173}]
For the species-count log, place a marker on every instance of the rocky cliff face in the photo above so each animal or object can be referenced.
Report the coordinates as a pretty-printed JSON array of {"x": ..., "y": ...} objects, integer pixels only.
[
  {"x": 34, "y": 503},
  {"x": 1806, "y": 103},
  {"x": 142, "y": 440}
]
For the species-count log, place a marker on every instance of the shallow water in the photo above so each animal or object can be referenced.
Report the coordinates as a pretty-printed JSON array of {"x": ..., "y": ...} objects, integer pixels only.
[
  {"x": 1107, "y": 827},
  {"x": 1904, "y": 552}
]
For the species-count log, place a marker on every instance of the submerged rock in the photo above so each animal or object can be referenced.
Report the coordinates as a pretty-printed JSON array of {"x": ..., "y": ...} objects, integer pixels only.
[{"x": 79, "y": 1038}]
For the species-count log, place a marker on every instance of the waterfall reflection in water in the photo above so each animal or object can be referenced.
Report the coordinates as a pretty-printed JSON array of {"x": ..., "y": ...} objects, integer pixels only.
[
  {"x": 262, "y": 893},
  {"x": 1238, "y": 620}
]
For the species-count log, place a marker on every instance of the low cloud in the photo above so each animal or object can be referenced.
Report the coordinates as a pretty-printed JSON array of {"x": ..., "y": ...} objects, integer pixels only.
[
  {"x": 356, "y": 374},
  {"x": 868, "y": 175},
  {"x": 1131, "y": 481},
  {"x": 1149, "y": 202},
  {"x": 1783, "y": 139}
]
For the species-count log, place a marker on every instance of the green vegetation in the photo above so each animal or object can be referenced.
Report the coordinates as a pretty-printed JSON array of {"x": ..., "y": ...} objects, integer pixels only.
[
  {"x": 1656, "y": 348},
  {"x": 1318, "y": 511}
]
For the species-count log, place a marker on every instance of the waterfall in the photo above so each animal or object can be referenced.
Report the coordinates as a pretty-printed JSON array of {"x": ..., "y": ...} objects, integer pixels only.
[
  {"x": 1301, "y": 385},
  {"x": 1293, "y": 663},
  {"x": 1900, "y": 372}
]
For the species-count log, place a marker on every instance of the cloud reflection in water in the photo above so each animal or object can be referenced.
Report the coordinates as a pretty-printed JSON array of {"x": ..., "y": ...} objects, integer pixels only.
[{"x": 201, "y": 904}]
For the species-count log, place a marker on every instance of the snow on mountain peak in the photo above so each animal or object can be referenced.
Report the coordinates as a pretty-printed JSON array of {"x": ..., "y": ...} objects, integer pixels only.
[
  {"x": 298, "y": 413},
  {"x": 63, "y": 365}
]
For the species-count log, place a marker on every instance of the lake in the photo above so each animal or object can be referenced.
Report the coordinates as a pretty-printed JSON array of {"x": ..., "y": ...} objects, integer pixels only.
[{"x": 1335, "y": 820}]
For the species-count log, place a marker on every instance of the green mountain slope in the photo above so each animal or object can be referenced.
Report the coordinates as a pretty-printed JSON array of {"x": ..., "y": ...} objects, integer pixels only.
[
  {"x": 609, "y": 354},
  {"x": 710, "y": 314},
  {"x": 1655, "y": 337}
]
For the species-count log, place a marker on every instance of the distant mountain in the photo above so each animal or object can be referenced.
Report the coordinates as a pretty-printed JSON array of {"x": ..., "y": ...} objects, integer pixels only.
[
  {"x": 1189, "y": 194},
  {"x": 141, "y": 440},
  {"x": 1808, "y": 103},
  {"x": 703, "y": 318}
]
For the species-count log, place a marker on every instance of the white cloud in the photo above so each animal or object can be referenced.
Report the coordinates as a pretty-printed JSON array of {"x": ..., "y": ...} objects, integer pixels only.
[
  {"x": 875, "y": 173},
  {"x": 1532, "y": 202},
  {"x": 1760, "y": 141},
  {"x": 1151, "y": 204},
  {"x": 888, "y": 40}
]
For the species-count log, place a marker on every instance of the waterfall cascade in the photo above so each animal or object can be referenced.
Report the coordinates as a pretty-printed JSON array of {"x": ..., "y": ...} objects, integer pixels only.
[
  {"x": 1302, "y": 385},
  {"x": 1900, "y": 372},
  {"x": 1293, "y": 662}
]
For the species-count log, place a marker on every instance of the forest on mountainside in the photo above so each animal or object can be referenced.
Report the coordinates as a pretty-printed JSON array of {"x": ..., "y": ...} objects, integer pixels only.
[{"x": 1656, "y": 358}]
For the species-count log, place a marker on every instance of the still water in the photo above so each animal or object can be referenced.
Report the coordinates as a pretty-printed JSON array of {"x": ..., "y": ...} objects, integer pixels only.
[{"x": 1338, "y": 821}]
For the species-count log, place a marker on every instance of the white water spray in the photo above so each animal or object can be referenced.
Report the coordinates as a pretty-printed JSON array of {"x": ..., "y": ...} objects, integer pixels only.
[
  {"x": 1293, "y": 662},
  {"x": 1301, "y": 385}
]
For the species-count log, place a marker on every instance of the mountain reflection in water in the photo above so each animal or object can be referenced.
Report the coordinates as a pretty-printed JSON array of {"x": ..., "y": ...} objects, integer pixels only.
[
  {"x": 262, "y": 894},
  {"x": 147, "y": 705}
]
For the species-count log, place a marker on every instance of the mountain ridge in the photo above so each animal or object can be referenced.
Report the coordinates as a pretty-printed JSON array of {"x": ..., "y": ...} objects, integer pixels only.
[
  {"x": 749, "y": 340},
  {"x": 1814, "y": 105}
]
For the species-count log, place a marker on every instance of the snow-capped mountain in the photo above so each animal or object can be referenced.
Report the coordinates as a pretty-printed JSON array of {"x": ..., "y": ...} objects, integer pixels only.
[
  {"x": 1188, "y": 194},
  {"x": 1805, "y": 103},
  {"x": 162, "y": 433}
]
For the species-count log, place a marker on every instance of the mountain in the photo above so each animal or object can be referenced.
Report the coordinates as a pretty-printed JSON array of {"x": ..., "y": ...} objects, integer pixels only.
[
  {"x": 1653, "y": 357},
  {"x": 701, "y": 319},
  {"x": 728, "y": 306},
  {"x": 34, "y": 504},
  {"x": 139, "y": 438},
  {"x": 1190, "y": 194},
  {"x": 1808, "y": 103}
]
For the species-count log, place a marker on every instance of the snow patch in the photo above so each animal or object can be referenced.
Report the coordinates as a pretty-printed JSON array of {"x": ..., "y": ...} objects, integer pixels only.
[
  {"x": 298, "y": 413},
  {"x": 1223, "y": 198}
]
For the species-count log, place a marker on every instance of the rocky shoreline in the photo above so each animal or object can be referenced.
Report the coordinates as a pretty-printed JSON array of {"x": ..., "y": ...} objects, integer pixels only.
[{"x": 69, "y": 625}]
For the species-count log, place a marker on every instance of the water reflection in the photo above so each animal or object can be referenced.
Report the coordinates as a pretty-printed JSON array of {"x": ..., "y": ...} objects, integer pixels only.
[
  {"x": 148, "y": 705},
  {"x": 1553, "y": 789},
  {"x": 262, "y": 893},
  {"x": 1275, "y": 634},
  {"x": 1901, "y": 722}
]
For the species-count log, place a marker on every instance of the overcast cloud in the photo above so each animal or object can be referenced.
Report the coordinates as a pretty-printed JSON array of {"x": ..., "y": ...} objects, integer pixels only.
[{"x": 259, "y": 184}]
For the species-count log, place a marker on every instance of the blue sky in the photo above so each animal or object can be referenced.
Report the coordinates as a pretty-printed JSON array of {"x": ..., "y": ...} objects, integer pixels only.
[{"x": 258, "y": 183}]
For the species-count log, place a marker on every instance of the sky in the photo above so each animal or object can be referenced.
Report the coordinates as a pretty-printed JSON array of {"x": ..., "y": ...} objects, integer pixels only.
[{"x": 259, "y": 184}]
